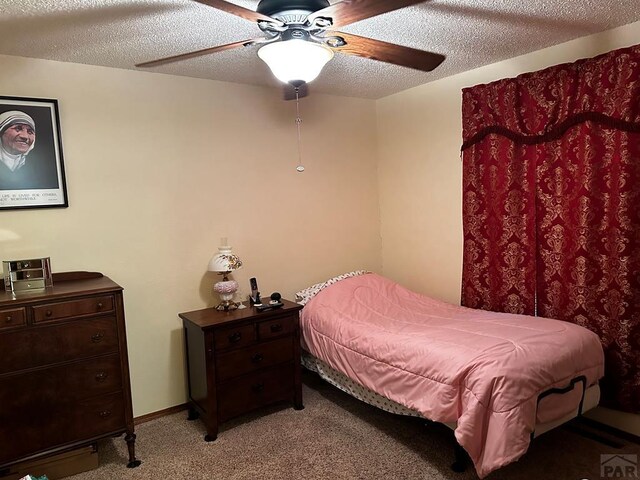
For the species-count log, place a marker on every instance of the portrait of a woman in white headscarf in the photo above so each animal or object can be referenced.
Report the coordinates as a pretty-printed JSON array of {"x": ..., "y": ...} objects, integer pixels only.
[{"x": 20, "y": 169}]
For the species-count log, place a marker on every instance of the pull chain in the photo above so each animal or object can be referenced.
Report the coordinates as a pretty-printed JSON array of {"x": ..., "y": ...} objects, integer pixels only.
[{"x": 300, "y": 167}]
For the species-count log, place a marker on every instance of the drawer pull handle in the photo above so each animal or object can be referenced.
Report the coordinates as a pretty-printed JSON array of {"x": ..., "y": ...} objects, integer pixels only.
[
  {"x": 100, "y": 305},
  {"x": 257, "y": 387},
  {"x": 235, "y": 337},
  {"x": 105, "y": 413},
  {"x": 8, "y": 319},
  {"x": 257, "y": 358},
  {"x": 96, "y": 338},
  {"x": 276, "y": 327},
  {"x": 48, "y": 313},
  {"x": 101, "y": 377}
]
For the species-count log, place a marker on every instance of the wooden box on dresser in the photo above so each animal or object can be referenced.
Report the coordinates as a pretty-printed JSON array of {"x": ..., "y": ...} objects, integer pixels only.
[
  {"x": 64, "y": 371},
  {"x": 241, "y": 360}
]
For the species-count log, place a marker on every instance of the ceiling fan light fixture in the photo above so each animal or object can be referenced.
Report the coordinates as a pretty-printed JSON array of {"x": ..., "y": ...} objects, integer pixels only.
[{"x": 295, "y": 59}]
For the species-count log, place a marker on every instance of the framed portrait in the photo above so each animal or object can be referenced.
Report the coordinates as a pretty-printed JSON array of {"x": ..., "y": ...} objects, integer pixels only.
[{"x": 31, "y": 162}]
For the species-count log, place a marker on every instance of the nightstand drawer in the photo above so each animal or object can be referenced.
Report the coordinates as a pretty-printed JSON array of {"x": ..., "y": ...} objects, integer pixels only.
[
  {"x": 62, "y": 310},
  {"x": 253, "y": 391},
  {"x": 14, "y": 317},
  {"x": 267, "y": 354},
  {"x": 277, "y": 327},
  {"x": 235, "y": 337}
]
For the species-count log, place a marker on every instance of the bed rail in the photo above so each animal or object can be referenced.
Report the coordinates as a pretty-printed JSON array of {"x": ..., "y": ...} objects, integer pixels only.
[{"x": 556, "y": 390}]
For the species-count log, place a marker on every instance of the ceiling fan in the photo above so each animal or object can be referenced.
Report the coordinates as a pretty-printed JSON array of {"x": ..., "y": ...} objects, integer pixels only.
[{"x": 299, "y": 38}]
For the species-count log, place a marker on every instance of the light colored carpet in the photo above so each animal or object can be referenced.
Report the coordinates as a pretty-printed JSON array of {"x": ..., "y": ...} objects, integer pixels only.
[{"x": 334, "y": 437}]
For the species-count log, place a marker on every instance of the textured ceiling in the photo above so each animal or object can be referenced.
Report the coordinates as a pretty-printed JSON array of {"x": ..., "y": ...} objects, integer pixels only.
[{"x": 471, "y": 33}]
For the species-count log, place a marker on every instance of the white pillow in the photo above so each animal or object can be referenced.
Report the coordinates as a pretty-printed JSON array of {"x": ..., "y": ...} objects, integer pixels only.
[{"x": 303, "y": 296}]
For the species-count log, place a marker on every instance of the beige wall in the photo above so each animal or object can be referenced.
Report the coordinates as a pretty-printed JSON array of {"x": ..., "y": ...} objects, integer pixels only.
[
  {"x": 420, "y": 172},
  {"x": 159, "y": 168}
]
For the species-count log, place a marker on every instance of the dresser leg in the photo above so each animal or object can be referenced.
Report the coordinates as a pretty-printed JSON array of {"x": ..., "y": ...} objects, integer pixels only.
[
  {"x": 210, "y": 438},
  {"x": 130, "y": 438}
]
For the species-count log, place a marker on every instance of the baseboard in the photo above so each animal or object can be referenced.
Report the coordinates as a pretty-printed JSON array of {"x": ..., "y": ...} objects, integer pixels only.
[{"x": 160, "y": 413}]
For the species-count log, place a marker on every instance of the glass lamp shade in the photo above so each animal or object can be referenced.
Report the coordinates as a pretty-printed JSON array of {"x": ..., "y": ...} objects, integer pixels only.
[
  {"x": 224, "y": 261},
  {"x": 295, "y": 59}
]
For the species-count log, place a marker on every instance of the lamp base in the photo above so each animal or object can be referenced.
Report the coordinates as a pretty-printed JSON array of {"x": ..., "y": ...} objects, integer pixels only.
[
  {"x": 226, "y": 289},
  {"x": 226, "y": 305}
]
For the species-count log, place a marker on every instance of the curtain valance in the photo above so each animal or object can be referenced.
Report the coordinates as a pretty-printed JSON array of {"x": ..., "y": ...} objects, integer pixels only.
[{"x": 540, "y": 106}]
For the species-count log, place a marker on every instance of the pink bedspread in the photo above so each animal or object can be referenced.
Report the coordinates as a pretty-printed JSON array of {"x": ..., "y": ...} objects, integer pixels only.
[{"x": 483, "y": 370}]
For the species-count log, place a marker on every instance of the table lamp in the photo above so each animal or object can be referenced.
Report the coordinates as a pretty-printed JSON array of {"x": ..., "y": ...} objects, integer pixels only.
[{"x": 223, "y": 263}]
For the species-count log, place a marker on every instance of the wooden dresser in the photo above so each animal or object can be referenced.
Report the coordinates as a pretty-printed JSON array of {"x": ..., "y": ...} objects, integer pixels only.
[
  {"x": 64, "y": 372},
  {"x": 241, "y": 360}
]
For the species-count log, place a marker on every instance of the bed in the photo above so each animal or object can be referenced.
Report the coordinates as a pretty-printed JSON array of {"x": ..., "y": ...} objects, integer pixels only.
[{"x": 497, "y": 379}]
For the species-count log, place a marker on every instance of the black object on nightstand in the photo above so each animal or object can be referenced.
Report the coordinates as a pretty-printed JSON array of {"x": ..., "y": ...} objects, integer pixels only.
[
  {"x": 275, "y": 302},
  {"x": 241, "y": 360}
]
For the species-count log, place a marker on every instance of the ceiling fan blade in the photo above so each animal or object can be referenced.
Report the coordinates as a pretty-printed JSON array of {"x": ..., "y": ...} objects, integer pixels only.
[
  {"x": 387, "y": 52},
  {"x": 289, "y": 91},
  {"x": 239, "y": 11},
  {"x": 351, "y": 11},
  {"x": 198, "y": 53}
]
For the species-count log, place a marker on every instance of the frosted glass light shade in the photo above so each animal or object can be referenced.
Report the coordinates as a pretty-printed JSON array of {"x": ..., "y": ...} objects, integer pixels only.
[
  {"x": 295, "y": 59},
  {"x": 224, "y": 261}
]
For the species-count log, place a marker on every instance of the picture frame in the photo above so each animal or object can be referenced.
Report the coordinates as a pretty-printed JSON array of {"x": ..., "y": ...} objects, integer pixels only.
[{"x": 31, "y": 160}]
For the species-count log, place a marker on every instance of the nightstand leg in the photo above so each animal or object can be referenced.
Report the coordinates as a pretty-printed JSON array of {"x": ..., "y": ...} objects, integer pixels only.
[
  {"x": 297, "y": 398},
  {"x": 193, "y": 414},
  {"x": 297, "y": 373},
  {"x": 211, "y": 424}
]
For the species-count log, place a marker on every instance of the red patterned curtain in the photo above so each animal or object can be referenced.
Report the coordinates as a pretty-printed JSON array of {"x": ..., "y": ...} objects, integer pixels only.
[
  {"x": 499, "y": 262},
  {"x": 551, "y": 204}
]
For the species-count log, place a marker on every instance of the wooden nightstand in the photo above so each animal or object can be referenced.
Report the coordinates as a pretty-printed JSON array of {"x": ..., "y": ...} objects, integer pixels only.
[{"x": 241, "y": 360}]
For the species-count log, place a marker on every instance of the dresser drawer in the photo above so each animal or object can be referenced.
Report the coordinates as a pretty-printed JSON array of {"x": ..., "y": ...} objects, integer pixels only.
[
  {"x": 73, "y": 308},
  {"x": 60, "y": 385},
  {"x": 234, "y": 337},
  {"x": 33, "y": 347},
  {"x": 32, "y": 431},
  {"x": 277, "y": 327},
  {"x": 98, "y": 415},
  {"x": 253, "y": 391},
  {"x": 14, "y": 317},
  {"x": 239, "y": 362}
]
